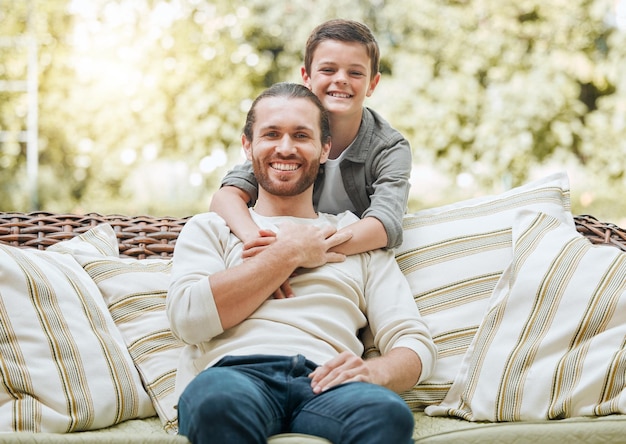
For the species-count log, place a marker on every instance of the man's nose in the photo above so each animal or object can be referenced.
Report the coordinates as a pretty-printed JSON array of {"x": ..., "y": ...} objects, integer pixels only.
[{"x": 285, "y": 145}]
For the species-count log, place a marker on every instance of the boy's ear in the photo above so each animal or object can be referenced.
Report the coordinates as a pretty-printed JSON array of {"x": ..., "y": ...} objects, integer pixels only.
[
  {"x": 305, "y": 77},
  {"x": 373, "y": 84},
  {"x": 247, "y": 146}
]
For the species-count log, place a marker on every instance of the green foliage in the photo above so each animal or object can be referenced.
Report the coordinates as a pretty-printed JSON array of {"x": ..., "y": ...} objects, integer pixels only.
[{"x": 141, "y": 102}]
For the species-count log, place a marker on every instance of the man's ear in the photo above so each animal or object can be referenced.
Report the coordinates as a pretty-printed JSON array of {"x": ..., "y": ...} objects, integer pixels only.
[
  {"x": 373, "y": 84},
  {"x": 247, "y": 146},
  {"x": 325, "y": 151},
  {"x": 306, "y": 80}
]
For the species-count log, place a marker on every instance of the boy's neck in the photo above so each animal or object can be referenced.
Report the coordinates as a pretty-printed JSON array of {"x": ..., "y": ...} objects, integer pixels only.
[{"x": 344, "y": 130}]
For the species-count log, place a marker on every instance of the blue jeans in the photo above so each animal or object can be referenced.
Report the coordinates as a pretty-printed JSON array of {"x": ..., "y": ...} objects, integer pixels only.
[{"x": 247, "y": 399}]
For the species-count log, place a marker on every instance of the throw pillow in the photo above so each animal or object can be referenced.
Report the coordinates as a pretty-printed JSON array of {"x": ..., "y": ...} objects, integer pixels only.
[
  {"x": 454, "y": 255},
  {"x": 134, "y": 291},
  {"x": 64, "y": 365},
  {"x": 552, "y": 344}
]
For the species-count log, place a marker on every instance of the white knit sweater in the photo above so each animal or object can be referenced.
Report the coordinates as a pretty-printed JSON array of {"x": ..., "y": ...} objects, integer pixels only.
[{"x": 331, "y": 304}]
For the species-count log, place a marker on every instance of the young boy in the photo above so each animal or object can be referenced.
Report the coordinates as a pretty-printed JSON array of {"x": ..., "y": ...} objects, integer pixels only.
[{"x": 370, "y": 162}]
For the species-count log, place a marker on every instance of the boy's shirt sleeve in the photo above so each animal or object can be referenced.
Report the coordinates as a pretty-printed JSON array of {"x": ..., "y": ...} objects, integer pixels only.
[
  {"x": 388, "y": 202},
  {"x": 242, "y": 177},
  {"x": 377, "y": 174}
]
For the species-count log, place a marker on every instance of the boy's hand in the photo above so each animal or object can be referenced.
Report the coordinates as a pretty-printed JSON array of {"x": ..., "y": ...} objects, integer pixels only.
[{"x": 255, "y": 246}]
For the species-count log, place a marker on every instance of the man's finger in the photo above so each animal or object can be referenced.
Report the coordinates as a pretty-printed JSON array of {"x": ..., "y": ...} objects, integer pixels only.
[
  {"x": 335, "y": 257},
  {"x": 328, "y": 231},
  {"x": 339, "y": 238}
]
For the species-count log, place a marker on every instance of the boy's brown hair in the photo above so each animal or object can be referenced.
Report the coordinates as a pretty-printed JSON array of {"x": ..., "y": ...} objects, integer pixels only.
[{"x": 344, "y": 31}]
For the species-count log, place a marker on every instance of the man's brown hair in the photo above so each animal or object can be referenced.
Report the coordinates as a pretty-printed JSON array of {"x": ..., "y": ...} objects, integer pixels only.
[{"x": 294, "y": 91}]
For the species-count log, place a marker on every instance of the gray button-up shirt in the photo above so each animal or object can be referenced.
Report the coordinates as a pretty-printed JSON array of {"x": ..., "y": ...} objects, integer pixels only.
[{"x": 375, "y": 174}]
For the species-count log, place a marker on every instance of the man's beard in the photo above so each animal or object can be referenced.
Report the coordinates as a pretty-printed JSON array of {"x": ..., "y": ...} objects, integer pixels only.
[{"x": 285, "y": 188}]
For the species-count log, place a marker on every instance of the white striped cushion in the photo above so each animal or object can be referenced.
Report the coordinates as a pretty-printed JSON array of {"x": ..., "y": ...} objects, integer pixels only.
[
  {"x": 134, "y": 291},
  {"x": 552, "y": 344},
  {"x": 64, "y": 365},
  {"x": 453, "y": 257}
]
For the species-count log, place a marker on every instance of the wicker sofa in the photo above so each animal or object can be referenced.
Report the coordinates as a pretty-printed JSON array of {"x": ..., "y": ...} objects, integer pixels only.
[{"x": 151, "y": 240}]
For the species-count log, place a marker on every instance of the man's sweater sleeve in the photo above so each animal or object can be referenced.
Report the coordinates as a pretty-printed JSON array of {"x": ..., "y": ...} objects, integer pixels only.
[
  {"x": 393, "y": 317},
  {"x": 199, "y": 252}
]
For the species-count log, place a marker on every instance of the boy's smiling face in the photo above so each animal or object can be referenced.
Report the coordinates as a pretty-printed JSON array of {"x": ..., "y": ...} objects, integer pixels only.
[{"x": 341, "y": 76}]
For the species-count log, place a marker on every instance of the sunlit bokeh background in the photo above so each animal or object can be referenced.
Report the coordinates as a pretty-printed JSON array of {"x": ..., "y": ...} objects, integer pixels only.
[{"x": 136, "y": 106}]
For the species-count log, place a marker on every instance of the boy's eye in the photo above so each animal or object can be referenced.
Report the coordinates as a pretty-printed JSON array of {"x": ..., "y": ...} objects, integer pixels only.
[{"x": 357, "y": 74}]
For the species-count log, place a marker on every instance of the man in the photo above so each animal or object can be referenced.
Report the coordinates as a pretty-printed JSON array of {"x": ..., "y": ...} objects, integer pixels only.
[{"x": 255, "y": 365}]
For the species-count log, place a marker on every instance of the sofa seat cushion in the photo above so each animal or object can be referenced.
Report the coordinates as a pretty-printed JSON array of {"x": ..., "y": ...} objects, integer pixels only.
[
  {"x": 136, "y": 431},
  {"x": 428, "y": 430},
  {"x": 578, "y": 430}
]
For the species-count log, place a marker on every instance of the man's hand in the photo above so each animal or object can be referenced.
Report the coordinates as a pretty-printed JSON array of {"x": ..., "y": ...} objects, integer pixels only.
[
  {"x": 254, "y": 247},
  {"x": 312, "y": 244},
  {"x": 398, "y": 370},
  {"x": 346, "y": 367},
  {"x": 268, "y": 237}
]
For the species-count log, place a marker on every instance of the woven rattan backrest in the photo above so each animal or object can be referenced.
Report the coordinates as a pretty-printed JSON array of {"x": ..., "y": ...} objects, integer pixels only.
[
  {"x": 149, "y": 237},
  {"x": 601, "y": 233},
  {"x": 141, "y": 237}
]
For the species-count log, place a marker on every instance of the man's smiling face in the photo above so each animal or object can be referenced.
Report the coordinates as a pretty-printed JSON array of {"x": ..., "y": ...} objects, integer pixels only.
[{"x": 286, "y": 148}]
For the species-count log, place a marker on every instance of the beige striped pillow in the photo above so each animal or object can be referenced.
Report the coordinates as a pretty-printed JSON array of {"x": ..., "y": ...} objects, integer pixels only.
[
  {"x": 453, "y": 257},
  {"x": 134, "y": 291},
  {"x": 552, "y": 344},
  {"x": 64, "y": 365}
]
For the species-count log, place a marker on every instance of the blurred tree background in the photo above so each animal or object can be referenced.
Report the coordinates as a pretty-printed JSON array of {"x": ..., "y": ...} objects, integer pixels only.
[{"x": 141, "y": 102}]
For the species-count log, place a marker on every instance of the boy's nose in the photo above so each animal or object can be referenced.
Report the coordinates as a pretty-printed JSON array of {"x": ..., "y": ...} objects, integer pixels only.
[{"x": 341, "y": 77}]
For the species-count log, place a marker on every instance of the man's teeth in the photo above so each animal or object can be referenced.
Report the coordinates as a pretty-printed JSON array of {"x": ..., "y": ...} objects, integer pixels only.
[{"x": 285, "y": 166}]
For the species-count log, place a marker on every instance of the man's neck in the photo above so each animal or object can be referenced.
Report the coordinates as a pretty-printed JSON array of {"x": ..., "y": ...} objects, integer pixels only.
[
  {"x": 344, "y": 130},
  {"x": 295, "y": 206}
]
